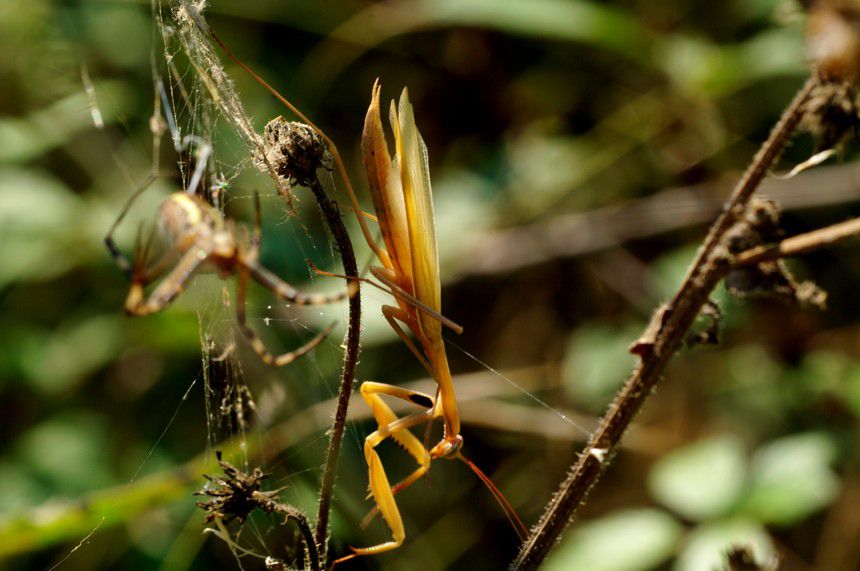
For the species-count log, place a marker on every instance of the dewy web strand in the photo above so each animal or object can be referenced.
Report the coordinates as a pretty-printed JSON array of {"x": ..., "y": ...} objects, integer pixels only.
[{"x": 584, "y": 431}]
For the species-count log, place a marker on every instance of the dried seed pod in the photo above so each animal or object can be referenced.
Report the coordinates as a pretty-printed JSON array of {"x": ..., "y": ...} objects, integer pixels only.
[
  {"x": 832, "y": 114},
  {"x": 772, "y": 278},
  {"x": 236, "y": 494},
  {"x": 294, "y": 149}
]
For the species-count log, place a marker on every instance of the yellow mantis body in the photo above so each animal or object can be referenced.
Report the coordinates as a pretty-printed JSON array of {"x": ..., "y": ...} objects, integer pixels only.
[{"x": 401, "y": 192}]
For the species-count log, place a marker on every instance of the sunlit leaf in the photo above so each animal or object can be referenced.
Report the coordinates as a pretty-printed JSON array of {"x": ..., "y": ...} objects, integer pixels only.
[
  {"x": 702, "y": 480},
  {"x": 791, "y": 479},
  {"x": 626, "y": 541},
  {"x": 39, "y": 225},
  {"x": 562, "y": 20},
  {"x": 24, "y": 138},
  {"x": 18, "y": 488},
  {"x": 107, "y": 22},
  {"x": 699, "y": 64},
  {"x": 68, "y": 450},
  {"x": 596, "y": 363},
  {"x": 54, "y": 363}
]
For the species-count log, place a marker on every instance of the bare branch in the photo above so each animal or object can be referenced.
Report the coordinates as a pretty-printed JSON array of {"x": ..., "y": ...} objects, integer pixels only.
[
  {"x": 350, "y": 361},
  {"x": 664, "y": 336},
  {"x": 801, "y": 244}
]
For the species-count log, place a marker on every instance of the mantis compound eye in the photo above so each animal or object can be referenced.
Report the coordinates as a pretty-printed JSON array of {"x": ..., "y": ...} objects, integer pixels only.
[{"x": 448, "y": 448}]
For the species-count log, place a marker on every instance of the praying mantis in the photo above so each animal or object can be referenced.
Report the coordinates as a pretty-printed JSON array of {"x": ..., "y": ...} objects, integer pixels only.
[{"x": 402, "y": 198}]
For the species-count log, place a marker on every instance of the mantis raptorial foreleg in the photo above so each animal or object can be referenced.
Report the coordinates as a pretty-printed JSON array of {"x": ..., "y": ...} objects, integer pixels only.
[{"x": 389, "y": 426}]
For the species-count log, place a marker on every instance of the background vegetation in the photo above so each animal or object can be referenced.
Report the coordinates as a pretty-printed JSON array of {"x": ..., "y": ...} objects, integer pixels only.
[{"x": 577, "y": 150}]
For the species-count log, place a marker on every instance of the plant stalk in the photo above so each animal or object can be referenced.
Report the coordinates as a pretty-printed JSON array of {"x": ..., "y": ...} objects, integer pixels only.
[
  {"x": 661, "y": 339},
  {"x": 350, "y": 361}
]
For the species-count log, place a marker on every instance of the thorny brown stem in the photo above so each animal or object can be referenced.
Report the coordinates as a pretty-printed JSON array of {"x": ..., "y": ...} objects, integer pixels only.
[
  {"x": 661, "y": 339},
  {"x": 801, "y": 243},
  {"x": 301, "y": 520},
  {"x": 350, "y": 361}
]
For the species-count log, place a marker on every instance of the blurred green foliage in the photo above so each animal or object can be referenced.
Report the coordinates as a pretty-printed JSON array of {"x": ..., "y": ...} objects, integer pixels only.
[{"x": 536, "y": 113}]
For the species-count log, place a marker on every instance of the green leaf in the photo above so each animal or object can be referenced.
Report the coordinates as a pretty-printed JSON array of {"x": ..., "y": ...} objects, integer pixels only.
[
  {"x": 698, "y": 64},
  {"x": 626, "y": 541},
  {"x": 706, "y": 547},
  {"x": 38, "y": 221},
  {"x": 57, "y": 361},
  {"x": 566, "y": 20},
  {"x": 23, "y": 139},
  {"x": 597, "y": 362},
  {"x": 702, "y": 480},
  {"x": 18, "y": 488},
  {"x": 791, "y": 479},
  {"x": 120, "y": 33},
  {"x": 68, "y": 451}
]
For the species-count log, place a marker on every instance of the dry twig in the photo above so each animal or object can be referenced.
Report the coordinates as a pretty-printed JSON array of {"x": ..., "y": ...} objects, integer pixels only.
[
  {"x": 663, "y": 337},
  {"x": 350, "y": 362},
  {"x": 800, "y": 244}
]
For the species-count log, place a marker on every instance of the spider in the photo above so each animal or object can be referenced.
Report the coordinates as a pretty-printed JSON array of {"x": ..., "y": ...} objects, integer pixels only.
[{"x": 201, "y": 239}]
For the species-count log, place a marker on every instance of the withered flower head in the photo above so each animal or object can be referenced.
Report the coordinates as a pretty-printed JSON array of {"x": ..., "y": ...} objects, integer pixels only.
[
  {"x": 294, "y": 149},
  {"x": 236, "y": 494}
]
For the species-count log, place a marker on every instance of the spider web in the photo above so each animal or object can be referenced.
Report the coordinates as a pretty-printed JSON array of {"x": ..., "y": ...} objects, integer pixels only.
[
  {"x": 205, "y": 106},
  {"x": 202, "y": 108},
  {"x": 197, "y": 109}
]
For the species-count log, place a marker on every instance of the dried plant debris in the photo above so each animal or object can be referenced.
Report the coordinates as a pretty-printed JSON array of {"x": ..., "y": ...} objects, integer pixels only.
[
  {"x": 295, "y": 150},
  {"x": 759, "y": 225},
  {"x": 236, "y": 494},
  {"x": 741, "y": 558},
  {"x": 225, "y": 385},
  {"x": 710, "y": 334},
  {"x": 833, "y": 44},
  {"x": 769, "y": 279},
  {"x": 832, "y": 114}
]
